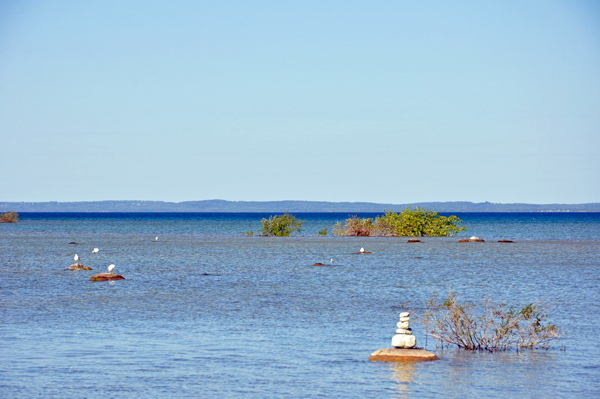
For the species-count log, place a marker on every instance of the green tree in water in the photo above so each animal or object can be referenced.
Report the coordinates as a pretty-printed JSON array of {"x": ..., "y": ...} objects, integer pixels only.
[{"x": 281, "y": 225}]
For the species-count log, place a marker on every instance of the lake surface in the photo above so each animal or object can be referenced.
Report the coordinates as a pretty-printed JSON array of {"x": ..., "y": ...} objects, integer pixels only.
[{"x": 209, "y": 312}]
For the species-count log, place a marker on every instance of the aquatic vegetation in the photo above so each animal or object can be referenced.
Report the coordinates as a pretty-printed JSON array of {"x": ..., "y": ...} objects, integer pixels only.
[
  {"x": 281, "y": 225},
  {"x": 9, "y": 217},
  {"x": 355, "y": 227},
  {"x": 249, "y": 233},
  {"x": 408, "y": 223},
  {"x": 487, "y": 326},
  {"x": 323, "y": 231}
]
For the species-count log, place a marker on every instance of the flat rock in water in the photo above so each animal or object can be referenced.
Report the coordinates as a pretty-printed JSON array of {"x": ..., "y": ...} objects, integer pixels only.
[
  {"x": 464, "y": 240},
  {"x": 402, "y": 355},
  {"x": 77, "y": 266},
  {"x": 504, "y": 241},
  {"x": 360, "y": 253},
  {"x": 414, "y": 240},
  {"x": 476, "y": 239},
  {"x": 106, "y": 277},
  {"x": 319, "y": 264}
]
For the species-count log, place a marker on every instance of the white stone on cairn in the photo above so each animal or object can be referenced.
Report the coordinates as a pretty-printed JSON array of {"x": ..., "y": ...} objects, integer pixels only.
[
  {"x": 404, "y": 338},
  {"x": 404, "y": 341}
]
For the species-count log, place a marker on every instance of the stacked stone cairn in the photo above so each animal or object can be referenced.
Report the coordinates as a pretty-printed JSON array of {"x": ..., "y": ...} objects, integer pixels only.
[{"x": 404, "y": 338}]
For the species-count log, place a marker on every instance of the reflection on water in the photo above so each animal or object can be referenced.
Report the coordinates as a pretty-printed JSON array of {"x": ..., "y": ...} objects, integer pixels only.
[{"x": 404, "y": 374}]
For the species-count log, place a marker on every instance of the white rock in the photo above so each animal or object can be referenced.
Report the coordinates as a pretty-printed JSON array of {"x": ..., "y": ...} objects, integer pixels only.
[
  {"x": 404, "y": 331},
  {"x": 404, "y": 341},
  {"x": 404, "y": 314},
  {"x": 404, "y": 319},
  {"x": 403, "y": 325}
]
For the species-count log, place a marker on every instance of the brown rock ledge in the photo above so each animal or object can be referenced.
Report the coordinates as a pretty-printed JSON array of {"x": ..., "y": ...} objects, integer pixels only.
[
  {"x": 402, "y": 355},
  {"x": 414, "y": 240},
  {"x": 106, "y": 276},
  {"x": 78, "y": 266}
]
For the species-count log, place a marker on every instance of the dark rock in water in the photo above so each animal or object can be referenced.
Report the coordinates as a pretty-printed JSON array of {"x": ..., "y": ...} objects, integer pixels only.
[
  {"x": 360, "y": 253},
  {"x": 504, "y": 241},
  {"x": 106, "y": 277},
  {"x": 414, "y": 240},
  {"x": 319, "y": 264},
  {"x": 402, "y": 355},
  {"x": 464, "y": 240},
  {"x": 78, "y": 266},
  {"x": 73, "y": 242}
]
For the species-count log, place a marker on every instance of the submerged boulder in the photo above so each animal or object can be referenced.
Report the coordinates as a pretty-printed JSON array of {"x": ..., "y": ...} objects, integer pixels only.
[
  {"x": 319, "y": 264},
  {"x": 505, "y": 241},
  {"x": 79, "y": 266},
  {"x": 414, "y": 240},
  {"x": 463, "y": 240},
  {"x": 402, "y": 355},
  {"x": 106, "y": 277}
]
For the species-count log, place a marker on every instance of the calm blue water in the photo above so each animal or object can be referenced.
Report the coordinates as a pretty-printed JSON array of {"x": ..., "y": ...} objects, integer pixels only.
[{"x": 209, "y": 312}]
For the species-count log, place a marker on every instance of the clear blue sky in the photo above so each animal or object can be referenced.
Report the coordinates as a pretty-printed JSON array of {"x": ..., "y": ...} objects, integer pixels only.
[{"x": 394, "y": 102}]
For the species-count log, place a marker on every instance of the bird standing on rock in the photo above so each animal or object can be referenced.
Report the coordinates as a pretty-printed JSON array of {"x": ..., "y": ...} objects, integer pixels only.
[
  {"x": 95, "y": 251},
  {"x": 76, "y": 258},
  {"x": 362, "y": 249},
  {"x": 111, "y": 268}
]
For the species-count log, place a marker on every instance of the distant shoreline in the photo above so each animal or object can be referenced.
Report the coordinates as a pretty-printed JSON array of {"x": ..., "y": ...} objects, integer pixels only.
[{"x": 222, "y": 206}]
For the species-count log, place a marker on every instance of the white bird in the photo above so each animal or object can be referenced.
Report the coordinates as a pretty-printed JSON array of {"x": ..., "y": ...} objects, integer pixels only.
[
  {"x": 76, "y": 258},
  {"x": 331, "y": 261},
  {"x": 362, "y": 249},
  {"x": 111, "y": 268},
  {"x": 156, "y": 239},
  {"x": 95, "y": 251}
]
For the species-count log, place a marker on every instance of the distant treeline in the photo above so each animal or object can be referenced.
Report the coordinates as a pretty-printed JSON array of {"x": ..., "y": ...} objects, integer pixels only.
[{"x": 282, "y": 206}]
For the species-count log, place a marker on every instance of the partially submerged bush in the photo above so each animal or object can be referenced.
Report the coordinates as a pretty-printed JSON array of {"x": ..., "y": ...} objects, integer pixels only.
[
  {"x": 323, "y": 231},
  {"x": 417, "y": 223},
  {"x": 485, "y": 326},
  {"x": 281, "y": 225},
  {"x": 250, "y": 233},
  {"x": 408, "y": 223},
  {"x": 355, "y": 226},
  {"x": 9, "y": 217}
]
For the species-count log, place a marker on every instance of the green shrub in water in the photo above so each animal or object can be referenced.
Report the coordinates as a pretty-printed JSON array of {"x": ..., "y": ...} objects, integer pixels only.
[{"x": 280, "y": 225}]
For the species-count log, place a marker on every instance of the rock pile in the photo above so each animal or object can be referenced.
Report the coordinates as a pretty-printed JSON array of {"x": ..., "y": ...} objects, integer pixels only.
[{"x": 404, "y": 338}]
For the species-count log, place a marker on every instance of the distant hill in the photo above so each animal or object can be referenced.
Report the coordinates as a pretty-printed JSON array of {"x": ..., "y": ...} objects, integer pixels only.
[{"x": 282, "y": 206}]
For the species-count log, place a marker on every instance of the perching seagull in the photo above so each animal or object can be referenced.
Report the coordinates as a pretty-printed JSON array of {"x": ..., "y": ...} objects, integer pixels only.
[
  {"x": 76, "y": 258},
  {"x": 95, "y": 251},
  {"x": 362, "y": 249},
  {"x": 156, "y": 239},
  {"x": 111, "y": 268},
  {"x": 331, "y": 261}
]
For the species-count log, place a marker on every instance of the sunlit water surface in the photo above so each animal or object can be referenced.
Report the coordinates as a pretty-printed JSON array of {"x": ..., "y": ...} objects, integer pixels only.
[{"x": 209, "y": 312}]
